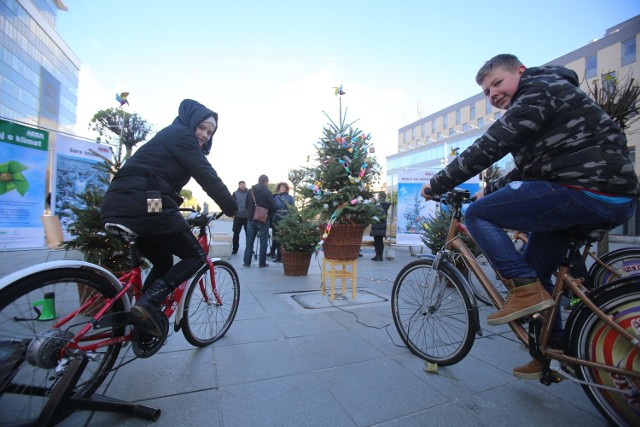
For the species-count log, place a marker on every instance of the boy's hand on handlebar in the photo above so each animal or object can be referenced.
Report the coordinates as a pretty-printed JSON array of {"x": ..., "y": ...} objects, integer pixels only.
[
  {"x": 426, "y": 192},
  {"x": 478, "y": 195}
]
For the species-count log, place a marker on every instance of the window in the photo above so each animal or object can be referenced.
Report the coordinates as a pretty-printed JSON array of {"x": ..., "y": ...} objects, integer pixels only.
[
  {"x": 465, "y": 127},
  {"x": 423, "y": 129},
  {"x": 413, "y": 134},
  {"x": 488, "y": 106},
  {"x": 452, "y": 132},
  {"x": 628, "y": 51},
  {"x": 472, "y": 111},
  {"x": 445, "y": 121},
  {"x": 591, "y": 67},
  {"x": 457, "y": 117},
  {"x": 433, "y": 126},
  {"x": 480, "y": 122},
  {"x": 439, "y": 136}
]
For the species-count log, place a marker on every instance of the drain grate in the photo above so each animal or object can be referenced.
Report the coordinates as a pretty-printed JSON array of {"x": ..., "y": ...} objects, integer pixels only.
[{"x": 314, "y": 299}]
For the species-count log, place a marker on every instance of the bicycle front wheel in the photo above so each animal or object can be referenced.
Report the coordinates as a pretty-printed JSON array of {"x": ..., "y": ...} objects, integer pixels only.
[
  {"x": 432, "y": 312},
  {"x": 621, "y": 263},
  {"x": 39, "y": 318},
  {"x": 593, "y": 340},
  {"x": 210, "y": 307}
]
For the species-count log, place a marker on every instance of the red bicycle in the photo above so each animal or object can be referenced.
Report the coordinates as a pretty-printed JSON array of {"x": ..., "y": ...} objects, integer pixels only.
[{"x": 63, "y": 323}]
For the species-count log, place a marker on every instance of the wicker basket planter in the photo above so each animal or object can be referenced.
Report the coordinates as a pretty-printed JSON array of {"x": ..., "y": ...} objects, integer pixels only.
[
  {"x": 296, "y": 263},
  {"x": 343, "y": 242}
]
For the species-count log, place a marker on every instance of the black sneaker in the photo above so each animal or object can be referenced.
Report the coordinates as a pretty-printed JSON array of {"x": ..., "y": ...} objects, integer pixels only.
[{"x": 263, "y": 265}]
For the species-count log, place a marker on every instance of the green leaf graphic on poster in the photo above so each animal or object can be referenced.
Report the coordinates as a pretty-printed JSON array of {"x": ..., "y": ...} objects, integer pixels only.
[{"x": 11, "y": 177}]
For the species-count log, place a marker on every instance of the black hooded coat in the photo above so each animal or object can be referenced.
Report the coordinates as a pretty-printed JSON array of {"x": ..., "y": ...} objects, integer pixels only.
[{"x": 165, "y": 164}]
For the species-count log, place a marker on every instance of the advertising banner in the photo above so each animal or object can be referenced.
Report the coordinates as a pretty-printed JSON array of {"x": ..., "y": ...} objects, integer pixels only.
[
  {"x": 74, "y": 172},
  {"x": 413, "y": 210},
  {"x": 23, "y": 167}
]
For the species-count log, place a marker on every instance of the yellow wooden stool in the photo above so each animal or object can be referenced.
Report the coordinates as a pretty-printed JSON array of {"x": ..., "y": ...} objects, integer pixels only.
[{"x": 338, "y": 270}]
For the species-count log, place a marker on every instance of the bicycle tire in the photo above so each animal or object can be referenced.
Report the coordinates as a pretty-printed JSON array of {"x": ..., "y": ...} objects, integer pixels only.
[
  {"x": 204, "y": 320},
  {"x": 479, "y": 292},
  {"x": 23, "y": 396},
  {"x": 624, "y": 261},
  {"x": 591, "y": 339},
  {"x": 436, "y": 328}
]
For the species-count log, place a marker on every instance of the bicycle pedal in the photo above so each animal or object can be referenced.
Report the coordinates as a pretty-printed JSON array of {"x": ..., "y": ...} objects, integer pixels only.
[{"x": 120, "y": 318}]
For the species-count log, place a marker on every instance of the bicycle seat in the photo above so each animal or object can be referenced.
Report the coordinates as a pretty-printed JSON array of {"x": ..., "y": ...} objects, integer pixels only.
[
  {"x": 120, "y": 230},
  {"x": 589, "y": 232}
]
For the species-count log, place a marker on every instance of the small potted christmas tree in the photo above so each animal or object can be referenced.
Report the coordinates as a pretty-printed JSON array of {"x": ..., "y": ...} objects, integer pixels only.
[
  {"x": 297, "y": 232},
  {"x": 338, "y": 188}
]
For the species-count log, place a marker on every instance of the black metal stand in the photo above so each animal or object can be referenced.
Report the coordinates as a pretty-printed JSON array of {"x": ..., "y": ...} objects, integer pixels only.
[{"x": 62, "y": 403}]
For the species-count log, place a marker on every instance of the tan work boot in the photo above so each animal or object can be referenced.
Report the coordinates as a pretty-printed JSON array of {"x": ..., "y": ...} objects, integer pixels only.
[
  {"x": 530, "y": 371},
  {"x": 526, "y": 296}
]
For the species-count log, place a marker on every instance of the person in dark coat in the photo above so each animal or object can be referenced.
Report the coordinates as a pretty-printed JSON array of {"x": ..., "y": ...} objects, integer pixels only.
[
  {"x": 379, "y": 229},
  {"x": 259, "y": 195},
  {"x": 283, "y": 200},
  {"x": 240, "y": 220},
  {"x": 144, "y": 196}
]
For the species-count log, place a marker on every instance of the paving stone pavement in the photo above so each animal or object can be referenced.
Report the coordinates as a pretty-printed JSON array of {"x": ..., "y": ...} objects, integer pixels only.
[{"x": 293, "y": 358}]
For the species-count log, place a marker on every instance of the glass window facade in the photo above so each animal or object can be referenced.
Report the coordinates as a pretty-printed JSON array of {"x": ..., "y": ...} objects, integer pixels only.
[
  {"x": 39, "y": 84},
  {"x": 591, "y": 67},
  {"x": 628, "y": 51}
]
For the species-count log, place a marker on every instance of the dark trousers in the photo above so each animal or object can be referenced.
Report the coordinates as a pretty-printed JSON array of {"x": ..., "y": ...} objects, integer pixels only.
[
  {"x": 238, "y": 223},
  {"x": 159, "y": 250},
  {"x": 378, "y": 244}
]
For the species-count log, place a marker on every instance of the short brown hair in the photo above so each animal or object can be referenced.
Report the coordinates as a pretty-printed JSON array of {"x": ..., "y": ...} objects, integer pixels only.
[
  {"x": 286, "y": 186},
  {"x": 504, "y": 60}
]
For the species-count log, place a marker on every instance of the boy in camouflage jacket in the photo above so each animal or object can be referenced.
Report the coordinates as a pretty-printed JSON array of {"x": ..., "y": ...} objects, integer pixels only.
[{"x": 572, "y": 167}]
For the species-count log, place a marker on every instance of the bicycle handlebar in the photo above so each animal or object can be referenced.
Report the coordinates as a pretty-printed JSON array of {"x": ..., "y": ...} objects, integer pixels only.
[
  {"x": 197, "y": 219},
  {"x": 456, "y": 197}
]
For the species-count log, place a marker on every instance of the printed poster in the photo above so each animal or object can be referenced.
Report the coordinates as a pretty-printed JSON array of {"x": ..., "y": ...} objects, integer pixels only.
[
  {"x": 23, "y": 167},
  {"x": 413, "y": 210},
  {"x": 74, "y": 172}
]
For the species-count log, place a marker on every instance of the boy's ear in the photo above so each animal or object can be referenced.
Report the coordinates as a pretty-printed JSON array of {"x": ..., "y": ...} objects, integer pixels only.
[{"x": 521, "y": 69}]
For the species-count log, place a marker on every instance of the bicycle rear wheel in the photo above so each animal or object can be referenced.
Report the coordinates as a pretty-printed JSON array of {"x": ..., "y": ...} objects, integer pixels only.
[
  {"x": 432, "y": 312},
  {"x": 624, "y": 262},
  {"x": 29, "y": 309},
  {"x": 205, "y": 317},
  {"x": 592, "y": 339}
]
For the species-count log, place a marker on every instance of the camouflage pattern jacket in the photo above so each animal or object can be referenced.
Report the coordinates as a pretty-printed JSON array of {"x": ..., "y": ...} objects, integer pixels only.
[{"x": 556, "y": 133}]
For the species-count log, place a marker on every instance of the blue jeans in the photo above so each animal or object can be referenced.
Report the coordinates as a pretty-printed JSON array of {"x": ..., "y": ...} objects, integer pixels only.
[
  {"x": 544, "y": 209},
  {"x": 262, "y": 232}
]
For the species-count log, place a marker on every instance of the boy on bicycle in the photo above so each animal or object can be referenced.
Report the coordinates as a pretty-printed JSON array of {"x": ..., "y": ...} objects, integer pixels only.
[{"x": 572, "y": 167}]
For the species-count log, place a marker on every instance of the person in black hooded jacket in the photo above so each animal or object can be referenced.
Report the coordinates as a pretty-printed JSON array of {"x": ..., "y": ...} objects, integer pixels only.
[{"x": 144, "y": 196}]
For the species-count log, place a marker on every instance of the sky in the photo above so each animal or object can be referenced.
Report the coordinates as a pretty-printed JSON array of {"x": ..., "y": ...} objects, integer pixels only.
[{"x": 269, "y": 68}]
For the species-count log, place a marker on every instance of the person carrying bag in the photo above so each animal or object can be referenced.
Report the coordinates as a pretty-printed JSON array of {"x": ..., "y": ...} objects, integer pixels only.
[{"x": 259, "y": 207}]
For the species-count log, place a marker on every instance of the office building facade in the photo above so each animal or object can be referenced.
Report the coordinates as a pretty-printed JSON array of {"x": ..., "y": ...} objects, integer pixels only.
[{"x": 38, "y": 71}]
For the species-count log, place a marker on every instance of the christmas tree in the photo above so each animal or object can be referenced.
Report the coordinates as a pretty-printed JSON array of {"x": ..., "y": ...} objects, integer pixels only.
[{"x": 339, "y": 188}]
